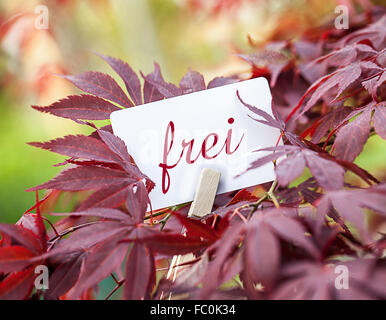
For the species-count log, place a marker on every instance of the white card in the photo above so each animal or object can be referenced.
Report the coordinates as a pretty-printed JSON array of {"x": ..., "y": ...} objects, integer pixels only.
[{"x": 217, "y": 126}]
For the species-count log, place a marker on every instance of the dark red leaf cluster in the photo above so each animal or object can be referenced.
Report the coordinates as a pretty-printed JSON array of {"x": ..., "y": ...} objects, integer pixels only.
[{"x": 283, "y": 240}]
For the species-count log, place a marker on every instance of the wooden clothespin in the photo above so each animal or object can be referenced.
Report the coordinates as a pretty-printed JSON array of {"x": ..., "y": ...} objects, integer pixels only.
[
  {"x": 201, "y": 206},
  {"x": 205, "y": 193}
]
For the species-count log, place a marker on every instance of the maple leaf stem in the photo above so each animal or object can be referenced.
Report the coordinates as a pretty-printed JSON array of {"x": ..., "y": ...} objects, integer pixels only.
[
  {"x": 119, "y": 284},
  {"x": 328, "y": 137},
  {"x": 51, "y": 225},
  {"x": 149, "y": 216},
  {"x": 40, "y": 223},
  {"x": 278, "y": 139},
  {"x": 163, "y": 211},
  {"x": 38, "y": 203},
  {"x": 163, "y": 221},
  {"x": 115, "y": 278},
  {"x": 67, "y": 231}
]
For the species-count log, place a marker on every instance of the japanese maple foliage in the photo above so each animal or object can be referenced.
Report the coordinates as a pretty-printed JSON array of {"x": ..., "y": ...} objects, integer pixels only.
[{"x": 281, "y": 240}]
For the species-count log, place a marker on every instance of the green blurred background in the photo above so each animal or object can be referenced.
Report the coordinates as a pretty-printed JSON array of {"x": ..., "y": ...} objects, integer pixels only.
[{"x": 176, "y": 33}]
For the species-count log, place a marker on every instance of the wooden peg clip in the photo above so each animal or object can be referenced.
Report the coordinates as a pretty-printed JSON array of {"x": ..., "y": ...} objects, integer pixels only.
[{"x": 205, "y": 193}]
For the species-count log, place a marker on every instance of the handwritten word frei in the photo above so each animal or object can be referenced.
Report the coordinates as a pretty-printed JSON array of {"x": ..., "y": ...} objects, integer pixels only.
[{"x": 206, "y": 147}]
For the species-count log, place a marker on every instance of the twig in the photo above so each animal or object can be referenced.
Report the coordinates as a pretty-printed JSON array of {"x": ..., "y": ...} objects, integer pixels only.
[
  {"x": 271, "y": 194},
  {"x": 268, "y": 195},
  {"x": 67, "y": 231}
]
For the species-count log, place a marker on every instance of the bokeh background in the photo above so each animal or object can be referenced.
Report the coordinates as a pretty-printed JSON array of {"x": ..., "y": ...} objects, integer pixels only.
[{"x": 201, "y": 34}]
